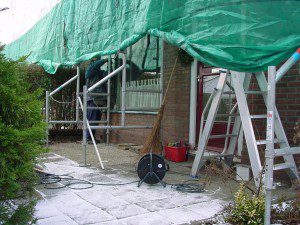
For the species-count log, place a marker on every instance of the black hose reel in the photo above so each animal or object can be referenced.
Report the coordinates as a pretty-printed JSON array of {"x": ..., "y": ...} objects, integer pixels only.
[{"x": 151, "y": 169}]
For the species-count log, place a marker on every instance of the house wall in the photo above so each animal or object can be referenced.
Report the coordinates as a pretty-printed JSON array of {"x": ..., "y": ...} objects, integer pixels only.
[{"x": 175, "y": 123}]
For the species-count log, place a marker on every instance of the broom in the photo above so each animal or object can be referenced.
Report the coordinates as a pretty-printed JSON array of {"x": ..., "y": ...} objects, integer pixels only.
[{"x": 152, "y": 143}]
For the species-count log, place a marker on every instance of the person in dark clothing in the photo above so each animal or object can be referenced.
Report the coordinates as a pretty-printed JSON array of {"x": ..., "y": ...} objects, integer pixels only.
[{"x": 92, "y": 75}]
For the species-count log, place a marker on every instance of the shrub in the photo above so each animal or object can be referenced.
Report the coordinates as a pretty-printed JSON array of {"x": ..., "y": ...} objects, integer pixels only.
[
  {"x": 22, "y": 133},
  {"x": 246, "y": 209}
]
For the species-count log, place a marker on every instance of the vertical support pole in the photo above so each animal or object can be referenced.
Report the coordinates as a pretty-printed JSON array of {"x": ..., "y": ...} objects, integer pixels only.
[
  {"x": 279, "y": 129},
  {"x": 84, "y": 124},
  {"x": 77, "y": 94},
  {"x": 161, "y": 81},
  {"x": 269, "y": 153},
  {"x": 193, "y": 103},
  {"x": 161, "y": 71},
  {"x": 47, "y": 118},
  {"x": 108, "y": 100},
  {"x": 123, "y": 106}
]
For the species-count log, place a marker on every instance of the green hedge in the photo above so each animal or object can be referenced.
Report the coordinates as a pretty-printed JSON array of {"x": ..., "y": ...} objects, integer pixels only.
[{"x": 22, "y": 133}]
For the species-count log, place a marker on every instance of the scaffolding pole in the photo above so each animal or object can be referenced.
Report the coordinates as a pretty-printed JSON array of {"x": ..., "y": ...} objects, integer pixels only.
[
  {"x": 269, "y": 153},
  {"x": 123, "y": 98},
  {"x": 108, "y": 100},
  {"x": 77, "y": 93},
  {"x": 63, "y": 85},
  {"x": 47, "y": 118},
  {"x": 84, "y": 127}
]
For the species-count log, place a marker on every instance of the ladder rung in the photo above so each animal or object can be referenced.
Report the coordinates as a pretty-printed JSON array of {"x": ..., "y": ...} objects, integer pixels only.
[
  {"x": 287, "y": 151},
  {"x": 246, "y": 92},
  {"x": 222, "y": 136},
  {"x": 227, "y": 115},
  {"x": 283, "y": 166},
  {"x": 263, "y": 142},
  {"x": 258, "y": 116}
]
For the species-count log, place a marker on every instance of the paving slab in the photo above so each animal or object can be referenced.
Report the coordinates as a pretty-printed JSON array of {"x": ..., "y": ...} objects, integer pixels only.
[
  {"x": 180, "y": 215},
  {"x": 123, "y": 211},
  {"x": 118, "y": 204},
  {"x": 102, "y": 200},
  {"x": 147, "y": 219},
  {"x": 79, "y": 210},
  {"x": 207, "y": 209},
  {"x": 45, "y": 210},
  {"x": 57, "y": 220},
  {"x": 156, "y": 205}
]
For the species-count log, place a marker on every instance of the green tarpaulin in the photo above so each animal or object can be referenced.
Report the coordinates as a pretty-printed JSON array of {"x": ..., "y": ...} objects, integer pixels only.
[{"x": 246, "y": 35}]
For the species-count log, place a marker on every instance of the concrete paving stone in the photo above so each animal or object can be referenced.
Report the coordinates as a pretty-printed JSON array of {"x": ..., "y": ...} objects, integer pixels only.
[
  {"x": 79, "y": 210},
  {"x": 180, "y": 215},
  {"x": 157, "y": 205},
  {"x": 207, "y": 209},
  {"x": 52, "y": 192},
  {"x": 152, "y": 218},
  {"x": 44, "y": 210},
  {"x": 135, "y": 196},
  {"x": 112, "y": 222},
  {"x": 101, "y": 179},
  {"x": 123, "y": 211},
  {"x": 189, "y": 198},
  {"x": 101, "y": 199},
  {"x": 57, "y": 220}
]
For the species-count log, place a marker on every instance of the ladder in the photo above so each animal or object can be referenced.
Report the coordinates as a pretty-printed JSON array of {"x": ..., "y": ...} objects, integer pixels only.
[{"x": 243, "y": 125}]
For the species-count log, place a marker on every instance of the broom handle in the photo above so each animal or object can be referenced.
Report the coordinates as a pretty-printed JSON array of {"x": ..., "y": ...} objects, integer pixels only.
[{"x": 169, "y": 82}]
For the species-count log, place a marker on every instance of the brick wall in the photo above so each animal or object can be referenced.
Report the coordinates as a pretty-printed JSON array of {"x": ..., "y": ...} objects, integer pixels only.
[
  {"x": 176, "y": 115},
  {"x": 136, "y": 136},
  {"x": 175, "y": 124}
]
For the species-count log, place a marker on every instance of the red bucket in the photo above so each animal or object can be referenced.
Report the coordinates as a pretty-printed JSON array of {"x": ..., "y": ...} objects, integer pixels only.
[{"x": 176, "y": 154}]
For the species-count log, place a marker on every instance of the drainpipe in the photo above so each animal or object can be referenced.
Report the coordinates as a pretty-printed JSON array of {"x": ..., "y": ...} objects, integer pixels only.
[{"x": 193, "y": 103}]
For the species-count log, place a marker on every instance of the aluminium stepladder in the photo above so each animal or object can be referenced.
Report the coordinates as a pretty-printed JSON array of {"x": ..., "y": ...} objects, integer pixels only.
[{"x": 243, "y": 123}]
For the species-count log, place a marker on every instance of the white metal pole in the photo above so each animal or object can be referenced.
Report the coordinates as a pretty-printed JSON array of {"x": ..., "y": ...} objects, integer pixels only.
[
  {"x": 84, "y": 125},
  {"x": 161, "y": 80},
  {"x": 106, "y": 78},
  {"x": 269, "y": 154},
  {"x": 77, "y": 93},
  {"x": 123, "y": 107},
  {"x": 47, "y": 118},
  {"x": 108, "y": 100},
  {"x": 95, "y": 145},
  {"x": 193, "y": 103},
  {"x": 63, "y": 85},
  {"x": 287, "y": 65}
]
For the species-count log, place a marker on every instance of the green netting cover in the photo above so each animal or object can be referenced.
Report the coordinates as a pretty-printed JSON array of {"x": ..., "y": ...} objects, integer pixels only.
[{"x": 244, "y": 35}]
